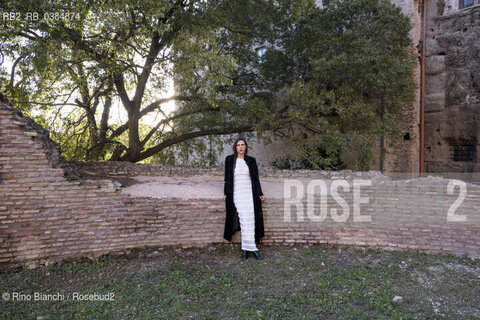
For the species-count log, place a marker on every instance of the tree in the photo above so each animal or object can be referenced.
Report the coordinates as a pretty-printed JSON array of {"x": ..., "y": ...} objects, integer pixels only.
[
  {"x": 88, "y": 54},
  {"x": 353, "y": 71},
  {"x": 332, "y": 80}
]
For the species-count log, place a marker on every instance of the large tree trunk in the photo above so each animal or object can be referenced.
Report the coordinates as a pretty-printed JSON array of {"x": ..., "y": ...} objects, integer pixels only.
[{"x": 134, "y": 144}]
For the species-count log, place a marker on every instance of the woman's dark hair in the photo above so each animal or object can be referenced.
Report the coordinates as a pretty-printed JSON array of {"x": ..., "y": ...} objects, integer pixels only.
[{"x": 235, "y": 145}]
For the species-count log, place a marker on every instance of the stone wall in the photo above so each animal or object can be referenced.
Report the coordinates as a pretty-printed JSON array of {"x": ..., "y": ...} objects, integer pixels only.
[
  {"x": 452, "y": 102},
  {"x": 53, "y": 211},
  {"x": 405, "y": 156}
]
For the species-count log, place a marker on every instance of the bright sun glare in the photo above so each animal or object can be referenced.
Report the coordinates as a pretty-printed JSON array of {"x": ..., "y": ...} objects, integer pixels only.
[{"x": 119, "y": 114}]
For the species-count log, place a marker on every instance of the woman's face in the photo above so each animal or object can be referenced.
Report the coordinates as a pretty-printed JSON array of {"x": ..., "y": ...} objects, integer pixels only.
[{"x": 241, "y": 147}]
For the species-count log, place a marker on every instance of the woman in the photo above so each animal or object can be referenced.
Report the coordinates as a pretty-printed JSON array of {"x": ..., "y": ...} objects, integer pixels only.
[{"x": 243, "y": 196}]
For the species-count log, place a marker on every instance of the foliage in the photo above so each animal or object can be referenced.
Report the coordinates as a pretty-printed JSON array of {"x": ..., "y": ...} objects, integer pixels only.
[
  {"x": 354, "y": 76},
  {"x": 331, "y": 78},
  {"x": 111, "y": 52}
]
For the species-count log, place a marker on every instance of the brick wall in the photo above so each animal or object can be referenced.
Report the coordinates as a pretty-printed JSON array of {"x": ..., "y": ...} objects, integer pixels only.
[
  {"x": 44, "y": 216},
  {"x": 49, "y": 213}
]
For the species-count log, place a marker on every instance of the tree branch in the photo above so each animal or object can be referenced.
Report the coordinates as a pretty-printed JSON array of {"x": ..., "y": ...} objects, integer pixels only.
[
  {"x": 46, "y": 103},
  {"x": 187, "y": 136},
  {"x": 122, "y": 92},
  {"x": 124, "y": 126},
  {"x": 166, "y": 120},
  {"x": 154, "y": 105},
  {"x": 147, "y": 69},
  {"x": 12, "y": 75}
]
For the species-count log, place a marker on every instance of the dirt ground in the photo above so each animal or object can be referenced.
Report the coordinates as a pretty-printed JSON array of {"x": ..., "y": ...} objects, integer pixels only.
[{"x": 196, "y": 187}]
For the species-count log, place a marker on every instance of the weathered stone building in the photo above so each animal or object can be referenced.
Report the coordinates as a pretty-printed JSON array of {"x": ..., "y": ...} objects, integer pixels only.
[
  {"x": 452, "y": 101},
  {"x": 405, "y": 157}
]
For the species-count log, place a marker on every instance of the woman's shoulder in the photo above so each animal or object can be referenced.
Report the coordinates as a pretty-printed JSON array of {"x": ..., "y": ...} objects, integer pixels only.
[{"x": 229, "y": 157}]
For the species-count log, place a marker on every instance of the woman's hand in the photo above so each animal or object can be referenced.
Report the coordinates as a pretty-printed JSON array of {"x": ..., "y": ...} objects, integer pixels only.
[{"x": 262, "y": 198}]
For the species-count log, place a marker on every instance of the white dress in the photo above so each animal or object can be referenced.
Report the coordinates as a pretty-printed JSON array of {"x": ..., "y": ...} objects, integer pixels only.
[{"x": 243, "y": 199}]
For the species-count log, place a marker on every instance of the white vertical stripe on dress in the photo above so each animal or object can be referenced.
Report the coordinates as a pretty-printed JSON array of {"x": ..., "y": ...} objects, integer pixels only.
[{"x": 243, "y": 199}]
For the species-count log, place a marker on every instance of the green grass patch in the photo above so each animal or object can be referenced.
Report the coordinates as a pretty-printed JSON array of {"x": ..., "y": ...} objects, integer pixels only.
[{"x": 291, "y": 282}]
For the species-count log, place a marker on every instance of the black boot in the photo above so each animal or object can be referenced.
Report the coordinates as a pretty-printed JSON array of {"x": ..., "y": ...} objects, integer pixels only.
[
  {"x": 244, "y": 255},
  {"x": 257, "y": 255}
]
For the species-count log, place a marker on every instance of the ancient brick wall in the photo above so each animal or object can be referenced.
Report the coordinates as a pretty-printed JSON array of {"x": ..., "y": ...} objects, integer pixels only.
[
  {"x": 404, "y": 157},
  {"x": 404, "y": 213},
  {"x": 48, "y": 213},
  {"x": 44, "y": 216}
]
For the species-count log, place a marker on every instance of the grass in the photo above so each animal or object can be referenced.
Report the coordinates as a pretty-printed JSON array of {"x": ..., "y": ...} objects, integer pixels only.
[{"x": 291, "y": 282}]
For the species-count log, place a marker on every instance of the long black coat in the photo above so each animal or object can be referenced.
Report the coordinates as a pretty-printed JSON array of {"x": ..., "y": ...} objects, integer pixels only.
[{"x": 232, "y": 223}]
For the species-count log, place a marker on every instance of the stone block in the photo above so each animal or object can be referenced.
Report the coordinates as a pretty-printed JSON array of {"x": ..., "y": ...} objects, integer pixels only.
[
  {"x": 433, "y": 48},
  {"x": 434, "y": 65},
  {"x": 436, "y": 83},
  {"x": 434, "y": 102}
]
